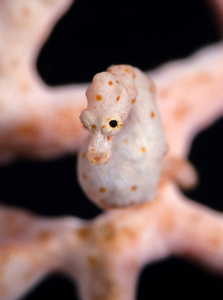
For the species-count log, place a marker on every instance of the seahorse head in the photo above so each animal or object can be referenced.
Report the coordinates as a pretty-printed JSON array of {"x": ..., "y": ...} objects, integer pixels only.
[{"x": 109, "y": 103}]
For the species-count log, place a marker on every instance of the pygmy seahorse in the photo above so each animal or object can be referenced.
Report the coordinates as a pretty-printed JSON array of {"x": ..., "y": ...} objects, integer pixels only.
[{"x": 121, "y": 164}]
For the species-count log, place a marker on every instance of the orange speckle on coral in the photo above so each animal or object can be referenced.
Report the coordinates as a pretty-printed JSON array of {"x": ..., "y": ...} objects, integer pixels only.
[
  {"x": 84, "y": 176},
  {"x": 25, "y": 12},
  {"x": 134, "y": 187},
  {"x": 14, "y": 63},
  {"x": 93, "y": 126},
  {"x": 103, "y": 126},
  {"x": 133, "y": 101},
  {"x": 215, "y": 240},
  {"x": 28, "y": 131},
  {"x": 44, "y": 236},
  {"x": 82, "y": 233},
  {"x": 102, "y": 190},
  {"x": 180, "y": 112},
  {"x": 110, "y": 69},
  {"x": 143, "y": 149},
  {"x": 118, "y": 98},
  {"x": 110, "y": 83},
  {"x": 152, "y": 86},
  {"x": 152, "y": 115},
  {"x": 163, "y": 93},
  {"x": 92, "y": 150},
  {"x": 108, "y": 138},
  {"x": 98, "y": 97},
  {"x": 117, "y": 81},
  {"x": 24, "y": 86},
  {"x": 83, "y": 155},
  {"x": 126, "y": 70}
]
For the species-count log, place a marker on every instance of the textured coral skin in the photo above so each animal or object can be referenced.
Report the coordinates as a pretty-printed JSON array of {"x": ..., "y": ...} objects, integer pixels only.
[{"x": 137, "y": 143}]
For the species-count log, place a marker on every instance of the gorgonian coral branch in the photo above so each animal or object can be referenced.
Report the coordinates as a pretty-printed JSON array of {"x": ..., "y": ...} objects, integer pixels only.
[
  {"x": 189, "y": 94},
  {"x": 103, "y": 256},
  {"x": 35, "y": 120}
]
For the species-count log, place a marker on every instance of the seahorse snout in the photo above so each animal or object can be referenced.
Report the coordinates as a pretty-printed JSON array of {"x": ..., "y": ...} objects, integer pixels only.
[
  {"x": 99, "y": 150},
  {"x": 97, "y": 158}
]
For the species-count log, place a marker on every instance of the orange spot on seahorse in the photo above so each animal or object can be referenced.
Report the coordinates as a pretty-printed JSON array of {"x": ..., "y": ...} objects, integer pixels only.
[
  {"x": 102, "y": 190},
  {"x": 143, "y": 149},
  {"x": 98, "y": 97}
]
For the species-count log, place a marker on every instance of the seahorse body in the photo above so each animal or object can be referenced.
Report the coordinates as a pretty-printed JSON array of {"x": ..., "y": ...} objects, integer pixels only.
[{"x": 126, "y": 145}]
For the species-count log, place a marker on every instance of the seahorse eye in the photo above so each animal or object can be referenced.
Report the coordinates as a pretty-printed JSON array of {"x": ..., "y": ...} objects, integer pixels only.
[{"x": 113, "y": 123}]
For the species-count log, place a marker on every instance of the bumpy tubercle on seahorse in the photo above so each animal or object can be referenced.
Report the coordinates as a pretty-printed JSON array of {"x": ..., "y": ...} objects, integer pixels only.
[{"x": 125, "y": 158}]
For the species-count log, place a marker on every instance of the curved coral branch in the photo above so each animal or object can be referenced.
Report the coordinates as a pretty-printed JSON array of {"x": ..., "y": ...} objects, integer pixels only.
[
  {"x": 35, "y": 120},
  {"x": 105, "y": 256},
  {"x": 31, "y": 247},
  {"x": 190, "y": 96}
]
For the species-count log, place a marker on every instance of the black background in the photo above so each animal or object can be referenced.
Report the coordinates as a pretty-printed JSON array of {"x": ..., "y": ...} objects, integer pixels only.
[{"x": 89, "y": 38}]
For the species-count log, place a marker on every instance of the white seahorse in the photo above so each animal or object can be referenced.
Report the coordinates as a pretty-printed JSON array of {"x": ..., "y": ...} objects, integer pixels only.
[{"x": 122, "y": 163}]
